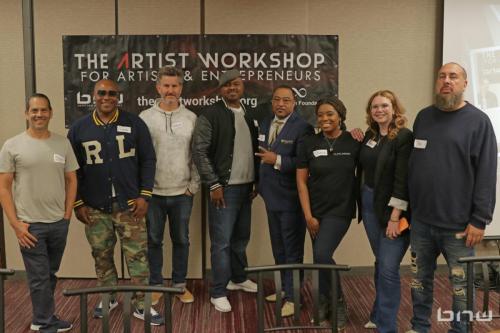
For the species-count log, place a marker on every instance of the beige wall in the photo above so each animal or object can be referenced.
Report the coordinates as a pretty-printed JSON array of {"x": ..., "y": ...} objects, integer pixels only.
[
  {"x": 11, "y": 92},
  {"x": 383, "y": 44}
]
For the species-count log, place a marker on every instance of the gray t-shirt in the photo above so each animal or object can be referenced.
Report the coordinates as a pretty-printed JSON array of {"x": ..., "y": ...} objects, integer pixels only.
[
  {"x": 242, "y": 169},
  {"x": 39, "y": 166}
]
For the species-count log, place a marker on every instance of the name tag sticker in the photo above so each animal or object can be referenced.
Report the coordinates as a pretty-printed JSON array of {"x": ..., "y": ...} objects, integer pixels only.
[
  {"x": 286, "y": 142},
  {"x": 59, "y": 159},
  {"x": 262, "y": 137},
  {"x": 255, "y": 123},
  {"x": 420, "y": 144},
  {"x": 371, "y": 143},
  {"x": 123, "y": 129},
  {"x": 176, "y": 125},
  {"x": 320, "y": 152}
]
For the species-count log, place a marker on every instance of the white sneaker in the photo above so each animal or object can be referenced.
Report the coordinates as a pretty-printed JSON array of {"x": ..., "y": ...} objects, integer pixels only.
[
  {"x": 248, "y": 286},
  {"x": 98, "y": 309},
  {"x": 156, "y": 318},
  {"x": 221, "y": 304},
  {"x": 370, "y": 325}
]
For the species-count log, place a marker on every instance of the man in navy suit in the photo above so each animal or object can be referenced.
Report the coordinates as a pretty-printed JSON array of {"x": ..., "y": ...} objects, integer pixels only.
[{"x": 279, "y": 136}]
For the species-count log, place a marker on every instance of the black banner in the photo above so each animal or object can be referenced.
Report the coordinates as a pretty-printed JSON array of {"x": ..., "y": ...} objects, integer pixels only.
[{"x": 308, "y": 63}]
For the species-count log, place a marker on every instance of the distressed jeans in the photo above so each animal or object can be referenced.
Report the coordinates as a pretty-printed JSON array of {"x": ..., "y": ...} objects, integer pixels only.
[{"x": 427, "y": 242}]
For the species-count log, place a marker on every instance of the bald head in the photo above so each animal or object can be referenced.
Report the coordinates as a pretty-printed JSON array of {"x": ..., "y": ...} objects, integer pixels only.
[
  {"x": 459, "y": 68},
  {"x": 106, "y": 83},
  {"x": 451, "y": 83}
]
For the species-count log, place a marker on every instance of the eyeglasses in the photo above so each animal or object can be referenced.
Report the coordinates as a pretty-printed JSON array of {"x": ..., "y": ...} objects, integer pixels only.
[{"x": 110, "y": 93}]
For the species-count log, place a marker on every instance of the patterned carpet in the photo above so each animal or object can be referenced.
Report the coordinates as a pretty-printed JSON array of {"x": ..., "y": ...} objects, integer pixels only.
[{"x": 201, "y": 317}]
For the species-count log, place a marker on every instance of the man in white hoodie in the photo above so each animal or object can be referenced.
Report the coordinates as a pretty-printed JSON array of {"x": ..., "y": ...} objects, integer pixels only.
[{"x": 176, "y": 181}]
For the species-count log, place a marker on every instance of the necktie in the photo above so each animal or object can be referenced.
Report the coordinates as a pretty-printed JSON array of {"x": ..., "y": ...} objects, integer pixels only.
[{"x": 277, "y": 128}]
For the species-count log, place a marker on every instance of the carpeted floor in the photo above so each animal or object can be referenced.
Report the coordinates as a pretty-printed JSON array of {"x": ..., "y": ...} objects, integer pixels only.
[{"x": 201, "y": 317}]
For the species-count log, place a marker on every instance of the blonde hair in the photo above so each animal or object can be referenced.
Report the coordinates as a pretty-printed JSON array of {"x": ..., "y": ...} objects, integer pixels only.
[{"x": 398, "y": 120}]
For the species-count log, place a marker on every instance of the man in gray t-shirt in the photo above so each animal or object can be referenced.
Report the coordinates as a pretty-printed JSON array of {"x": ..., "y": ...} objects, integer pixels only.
[{"x": 37, "y": 192}]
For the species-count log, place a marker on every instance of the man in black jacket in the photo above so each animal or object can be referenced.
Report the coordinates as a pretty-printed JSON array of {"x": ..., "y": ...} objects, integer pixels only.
[{"x": 224, "y": 143}]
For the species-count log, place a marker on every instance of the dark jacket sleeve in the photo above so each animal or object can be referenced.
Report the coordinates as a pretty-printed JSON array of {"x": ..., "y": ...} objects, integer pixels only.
[
  {"x": 484, "y": 155},
  {"x": 72, "y": 137},
  {"x": 201, "y": 142},
  {"x": 403, "y": 147},
  {"x": 146, "y": 160},
  {"x": 289, "y": 163}
]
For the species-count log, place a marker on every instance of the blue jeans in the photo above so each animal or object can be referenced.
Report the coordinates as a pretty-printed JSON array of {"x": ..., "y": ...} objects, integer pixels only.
[
  {"x": 287, "y": 231},
  {"x": 427, "y": 242},
  {"x": 331, "y": 231},
  {"x": 41, "y": 263},
  {"x": 178, "y": 210},
  {"x": 229, "y": 229},
  {"x": 388, "y": 255}
]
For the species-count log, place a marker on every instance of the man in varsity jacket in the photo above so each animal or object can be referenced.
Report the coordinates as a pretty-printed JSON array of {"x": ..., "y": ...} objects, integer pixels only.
[{"x": 115, "y": 182}]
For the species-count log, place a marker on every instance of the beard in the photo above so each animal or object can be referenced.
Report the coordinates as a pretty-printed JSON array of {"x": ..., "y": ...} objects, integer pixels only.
[{"x": 448, "y": 102}]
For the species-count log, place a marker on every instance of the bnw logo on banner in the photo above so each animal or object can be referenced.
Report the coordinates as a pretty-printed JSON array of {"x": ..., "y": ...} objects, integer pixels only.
[
  {"x": 86, "y": 100},
  {"x": 309, "y": 64}
]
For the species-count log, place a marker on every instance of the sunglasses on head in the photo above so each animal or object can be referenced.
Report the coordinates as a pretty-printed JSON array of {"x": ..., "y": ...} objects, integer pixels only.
[{"x": 110, "y": 93}]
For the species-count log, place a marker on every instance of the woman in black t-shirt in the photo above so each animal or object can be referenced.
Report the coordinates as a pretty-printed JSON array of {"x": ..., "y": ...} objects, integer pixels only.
[
  {"x": 327, "y": 185},
  {"x": 384, "y": 200}
]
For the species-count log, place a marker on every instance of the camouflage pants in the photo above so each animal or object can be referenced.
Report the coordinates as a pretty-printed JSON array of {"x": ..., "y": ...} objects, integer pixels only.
[{"x": 101, "y": 235}]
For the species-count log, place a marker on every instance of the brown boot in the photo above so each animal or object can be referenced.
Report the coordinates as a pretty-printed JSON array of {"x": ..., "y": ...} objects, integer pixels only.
[
  {"x": 187, "y": 297},
  {"x": 155, "y": 298}
]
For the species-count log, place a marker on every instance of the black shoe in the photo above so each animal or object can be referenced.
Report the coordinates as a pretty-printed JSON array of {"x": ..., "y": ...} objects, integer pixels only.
[
  {"x": 341, "y": 314},
  {"x": 323, "y": 310}
]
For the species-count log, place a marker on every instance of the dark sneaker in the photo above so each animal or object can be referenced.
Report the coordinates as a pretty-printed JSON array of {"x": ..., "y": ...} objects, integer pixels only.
[
  {"x": 341, "y": 314},
  {"x": 61, "y": 325},
  {"x": 323, "y": 310},
  {"x": 156, "y": 318},
  {"x": 98, "y": 309}
]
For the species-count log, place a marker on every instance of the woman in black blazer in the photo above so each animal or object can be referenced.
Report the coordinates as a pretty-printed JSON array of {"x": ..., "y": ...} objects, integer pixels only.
[{"x": 384, "y": 201}]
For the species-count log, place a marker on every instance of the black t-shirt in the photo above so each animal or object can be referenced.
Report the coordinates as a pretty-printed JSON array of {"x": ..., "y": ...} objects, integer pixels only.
[
  {"x": 368, "y": 158},
  {"x": 332, "y": 181}
]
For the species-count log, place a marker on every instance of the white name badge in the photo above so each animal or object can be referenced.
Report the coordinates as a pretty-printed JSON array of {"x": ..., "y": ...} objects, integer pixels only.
[
  {"x": 176, "y": 125},
  {"x": 320, "y": 152},
  {"x": 123, "y": 129},
  {"x": 420, "y": 144},
  {"x": 262, "y": 137},
  {"x": 59, "y": 159},
  {"x": 371, "y": 143},
  {"x": 255, "y": 123}
]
